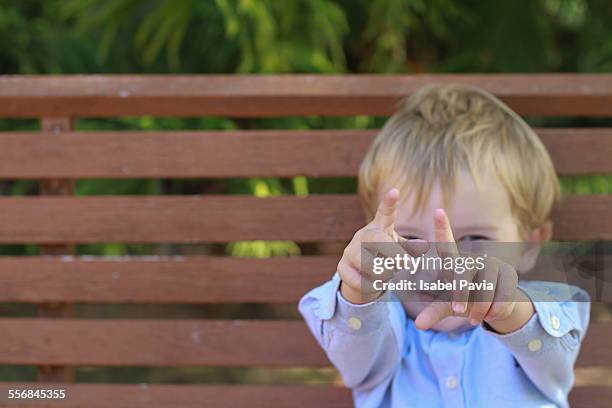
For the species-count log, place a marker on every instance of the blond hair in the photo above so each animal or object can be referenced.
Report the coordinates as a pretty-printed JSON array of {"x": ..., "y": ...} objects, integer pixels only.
[{"x": 442, "y": 129}]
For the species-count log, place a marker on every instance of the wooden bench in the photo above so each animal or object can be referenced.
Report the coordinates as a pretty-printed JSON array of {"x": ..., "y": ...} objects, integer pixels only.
[{"x": 56, "y": 220}]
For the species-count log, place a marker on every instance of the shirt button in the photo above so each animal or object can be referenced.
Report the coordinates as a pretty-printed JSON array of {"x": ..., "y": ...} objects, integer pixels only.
[
  {"x": 555, "y": 322},
  {"x": 534, "y": 345},
  {"x": 451, "y": 382},
  {"x": 354, "y": 323}
]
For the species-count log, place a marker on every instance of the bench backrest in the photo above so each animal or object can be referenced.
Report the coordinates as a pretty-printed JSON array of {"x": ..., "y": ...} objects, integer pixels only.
[{"x": 57, "y": 220}]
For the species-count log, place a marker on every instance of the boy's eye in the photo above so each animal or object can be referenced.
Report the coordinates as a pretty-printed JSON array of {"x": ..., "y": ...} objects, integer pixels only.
[
  {"x": 412, "y": 238},
  {"x": 464, "y": 238},
  {"x": 474, "y": 238}
]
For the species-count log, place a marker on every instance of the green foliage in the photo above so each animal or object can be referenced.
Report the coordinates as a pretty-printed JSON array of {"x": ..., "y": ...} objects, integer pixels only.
[
  {"x": 324, "y": 36},
  {"x": 397, "y": 27},
  {"x": 586, "y": 184},
  {"x": 286, "y": 36}
]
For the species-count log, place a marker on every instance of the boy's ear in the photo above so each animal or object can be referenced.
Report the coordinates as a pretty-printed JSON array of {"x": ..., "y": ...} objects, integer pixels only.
[
  {"x": 534, "y": 242},
  {"x": 541, "y": 234}
]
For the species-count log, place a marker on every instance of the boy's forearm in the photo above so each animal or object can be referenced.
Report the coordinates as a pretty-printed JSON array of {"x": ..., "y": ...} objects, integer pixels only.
[
  {"x": 522, "y": 312},
  {"x": 362, "y": 341},
  {"x": 546, "y": 346}
]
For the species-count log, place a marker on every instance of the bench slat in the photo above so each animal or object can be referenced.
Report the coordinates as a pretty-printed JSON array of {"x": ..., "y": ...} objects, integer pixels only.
[
  {"x": 194, "y": 279},
  {"x": 178, "y": 280},
  {"x": 283, "y": 153},
  {"x": 230, "y": 343},
  {"x": 231, "y": 396},
  {"x": 188, "y": 396},
  {"x": 285, "y": 95},
  {"x": 571, "y": 222},
  {"x": 210, "y": 218},
  {"x": 119, "y": 342},
  {"x": 591, "y": 397}
]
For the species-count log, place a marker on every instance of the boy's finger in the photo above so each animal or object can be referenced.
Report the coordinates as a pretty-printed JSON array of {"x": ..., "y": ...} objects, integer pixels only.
[
  {"x": 349, "y": 275},
  {"x": 377, "y": 240},
  {"x": 461, "y": 296},
  {"x": 369, "y": 272},
  {"x": 414, "y": 248},
  {"x": 432, "y": 314},
  {"x": 389, "y": 249},
  {"x": 505, "y": 293},
  {"x": 385, "y": 215},
  {"x": 446, "y": 247},
  {"x": 484, "y": 298},
  {"x": 445, "y": 241}
]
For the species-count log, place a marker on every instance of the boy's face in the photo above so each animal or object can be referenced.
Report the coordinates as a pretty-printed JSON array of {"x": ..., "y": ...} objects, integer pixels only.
[{"x": 475, "y": 214}]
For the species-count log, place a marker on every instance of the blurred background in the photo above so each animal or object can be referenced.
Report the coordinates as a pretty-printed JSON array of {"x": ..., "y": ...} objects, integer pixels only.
[{"x": 264, "y": 37}]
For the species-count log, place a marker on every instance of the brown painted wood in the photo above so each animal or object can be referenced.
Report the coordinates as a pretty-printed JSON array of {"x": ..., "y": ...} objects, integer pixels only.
[
  {"x": 121, "y": 342},
  {"x": 591, "y": 397},
  {"x": 583, "y": 218},
  {"x": 210, "y": 218},
  {"x": 54, "y": 127},
  {"x": 184, "y": 154},
  {"x": 177, "y": 218},
  {"x": 230, "y": 343},
  {"x": 285, "y": 95},
  {"x": 579, "y": 151},
  {"x": 231, "y": 396},
  {"x": 178, "y": 279},
  {"x": 595, "y": 349},
  {"x": 274, "y": 153},
  {"x": 190, "y": 396},
  {"x": 195, "y": 279}
]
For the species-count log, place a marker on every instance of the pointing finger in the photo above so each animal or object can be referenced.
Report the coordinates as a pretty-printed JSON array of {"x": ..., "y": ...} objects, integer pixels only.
[
  {"x": 446, "y": 247},
  {"x": 432, "y": 314},
  {"x": 445, "y": 241},
  {"x": 385, "y": 215},
  {"x": 442, "y": 227}
]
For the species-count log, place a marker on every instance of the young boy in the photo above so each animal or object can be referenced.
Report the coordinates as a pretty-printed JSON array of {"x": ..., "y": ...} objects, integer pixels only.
[{"x": 461, "y": 159}]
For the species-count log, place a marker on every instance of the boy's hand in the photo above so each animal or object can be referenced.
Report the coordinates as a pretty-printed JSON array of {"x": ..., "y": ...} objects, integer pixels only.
[
  {"x": 505, "y": 308},
  {"x": 380, "y": 230}
]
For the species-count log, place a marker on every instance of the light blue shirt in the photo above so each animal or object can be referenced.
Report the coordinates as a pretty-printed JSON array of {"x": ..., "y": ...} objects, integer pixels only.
[{"x": 388, "y": 362}]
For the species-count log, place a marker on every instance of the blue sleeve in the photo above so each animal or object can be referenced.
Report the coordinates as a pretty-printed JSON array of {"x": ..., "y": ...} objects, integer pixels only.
[
  {"x": 364, "y": 342},
  {"x": 546, "y": 347}
]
